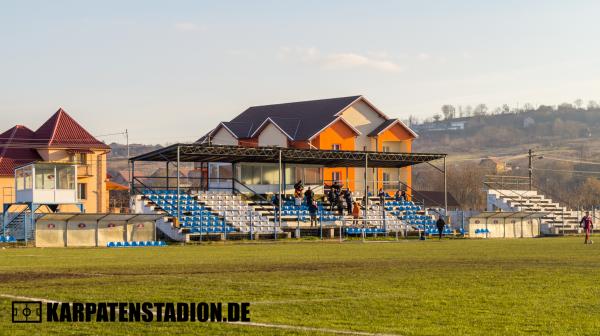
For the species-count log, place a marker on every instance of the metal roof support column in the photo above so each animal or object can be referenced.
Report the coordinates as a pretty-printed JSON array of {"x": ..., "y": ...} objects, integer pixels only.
[
  {"x": 279, "y": 196},
  {"x": 366, "y": 187},
  {"x": 131, "y": 177},
  {"x": 167, "y": 170}
]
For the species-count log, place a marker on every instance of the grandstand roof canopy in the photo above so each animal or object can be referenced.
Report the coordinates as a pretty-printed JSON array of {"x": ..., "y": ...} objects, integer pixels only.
[{"x": 327, "y": 158}]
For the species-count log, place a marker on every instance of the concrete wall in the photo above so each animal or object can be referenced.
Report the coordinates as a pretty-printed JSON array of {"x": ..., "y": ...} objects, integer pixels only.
[
  {"x": 141, "y": 231},
  {"x": 113, "y": 231},
  {"x": 59, "y": 233},
  {"x": 81, "y": 233},
  {"x": 504, "y": 227},
  {"x": 50, "y": 233},
  {"x": 272, "y": 136}
]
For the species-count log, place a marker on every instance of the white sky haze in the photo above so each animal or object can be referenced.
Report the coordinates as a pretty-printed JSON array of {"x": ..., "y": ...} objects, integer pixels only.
[{"x": 171, "y": 70}]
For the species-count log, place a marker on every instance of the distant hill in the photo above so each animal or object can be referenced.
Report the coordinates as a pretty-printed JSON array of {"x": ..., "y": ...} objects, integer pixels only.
[
  {"x": 120, "y": 150},
  {"x": 544, "y": 126},
  {"x": 561, "y": 138}
]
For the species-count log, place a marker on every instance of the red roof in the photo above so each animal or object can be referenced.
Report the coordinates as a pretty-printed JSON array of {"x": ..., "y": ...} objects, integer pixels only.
[
  {"x": 16, "y": 149},
  {"x": 62, "y": 131},
  {"x": 18, "y": 145}
]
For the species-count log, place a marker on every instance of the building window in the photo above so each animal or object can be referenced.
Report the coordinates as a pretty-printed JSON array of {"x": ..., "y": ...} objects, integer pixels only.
[
  {"x": 336, "y": 147},
  {"x": 313, "y": 175},
  {"x": 79, "y": 158},
  {"x": 386, "y": 149},
  {"x": 19, "y": 178},
  {"x": 336, "y": 176},
  {"x": 66, "y": 177},
  {"x": 386, "y": 181},
  {"x": 82, "y": 191},
  {"x": 44, "y": 177}
]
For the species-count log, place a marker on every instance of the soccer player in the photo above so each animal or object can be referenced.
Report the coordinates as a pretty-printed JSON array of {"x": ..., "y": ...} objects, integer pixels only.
[{"x": 586, "y": 223}]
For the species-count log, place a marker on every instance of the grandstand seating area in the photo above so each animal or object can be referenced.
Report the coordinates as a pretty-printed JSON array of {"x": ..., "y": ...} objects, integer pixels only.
[
  {"x": 415, "y": 216},
  {"x": 225, "y": 213},
  {"x": 478, "y": 231},
  {"x": 291, "y": 211},
  {"x": 560, "y": 219},
  {"x": 236, "y": 212},
  {"x": 136, "y": 244},
  {"x": 195, "y": 217},
  {"x": 7, "y": 239}
]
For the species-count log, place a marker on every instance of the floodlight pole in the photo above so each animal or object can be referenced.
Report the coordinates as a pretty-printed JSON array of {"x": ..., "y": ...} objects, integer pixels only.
[
  {"x": 530, "y": 169},
  {"x": 131, "y": 177},
  {"x": 178, "y": 186},
  {"x": 445, "y": 190},
  {"x": 128, "y": 162}
]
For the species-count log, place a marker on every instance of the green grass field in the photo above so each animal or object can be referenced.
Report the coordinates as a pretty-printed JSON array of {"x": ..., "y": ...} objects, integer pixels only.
[{"x": 452, "y": 287}]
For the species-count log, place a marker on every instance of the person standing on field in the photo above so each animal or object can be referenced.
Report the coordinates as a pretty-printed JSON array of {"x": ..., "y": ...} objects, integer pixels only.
[
  {"x": 587, "y": 225},
  {"x": 312, "y": 210},
  {"x": 440, "y": 226}
]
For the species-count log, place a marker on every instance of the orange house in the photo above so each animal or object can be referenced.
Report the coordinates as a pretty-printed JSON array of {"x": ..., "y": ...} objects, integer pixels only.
[
  {"x": 347, "y": 123},
  {"x": 61, "y": 140}
]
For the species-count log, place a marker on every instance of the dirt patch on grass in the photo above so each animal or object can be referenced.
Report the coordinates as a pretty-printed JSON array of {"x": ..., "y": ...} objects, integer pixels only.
[{"x": 36, "y": 276}]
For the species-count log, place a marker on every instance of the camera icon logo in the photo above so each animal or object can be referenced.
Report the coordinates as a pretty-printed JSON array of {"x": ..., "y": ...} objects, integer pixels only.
[{"x": 27, "y": 311}]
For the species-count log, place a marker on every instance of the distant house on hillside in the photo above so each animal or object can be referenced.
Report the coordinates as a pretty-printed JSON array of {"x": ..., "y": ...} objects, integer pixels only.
[
  {"x": 458, "y": 124},
  {"x": 495, "y": 165}
]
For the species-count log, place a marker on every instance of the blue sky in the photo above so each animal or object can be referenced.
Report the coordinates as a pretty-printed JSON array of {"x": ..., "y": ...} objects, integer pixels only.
[{"x": 171, "y": 70}]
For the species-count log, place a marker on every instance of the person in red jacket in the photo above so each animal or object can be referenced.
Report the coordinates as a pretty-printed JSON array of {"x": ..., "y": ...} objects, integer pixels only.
[{"x": 586, "y": 223}]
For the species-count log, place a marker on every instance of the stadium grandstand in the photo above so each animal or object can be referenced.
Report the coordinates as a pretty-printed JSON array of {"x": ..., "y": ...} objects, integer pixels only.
[{"x": 247, "y": 170}]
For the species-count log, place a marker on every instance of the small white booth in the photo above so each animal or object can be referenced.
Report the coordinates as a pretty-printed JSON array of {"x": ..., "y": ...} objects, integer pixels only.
[{"x": 46, "y": 183}]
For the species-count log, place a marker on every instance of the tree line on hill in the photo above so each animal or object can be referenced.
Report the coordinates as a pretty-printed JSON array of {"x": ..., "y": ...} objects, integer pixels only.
[
  {"x": 543, "y": 125},
  {"x": 450, "y": 112}
]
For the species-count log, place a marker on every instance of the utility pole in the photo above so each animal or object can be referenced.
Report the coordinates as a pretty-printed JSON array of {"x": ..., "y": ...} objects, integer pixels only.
[
  {"x": 128, "y": 163},
  {"x": 530, "y": 169}
]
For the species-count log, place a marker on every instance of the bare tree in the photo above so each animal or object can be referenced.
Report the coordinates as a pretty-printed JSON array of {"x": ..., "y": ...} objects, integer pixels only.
[
  {"x": 468, "y": 111},
  {"x": 413, "y": 120},
  {"x": 437, "y": 117},
  {"x": 528, "y": 107},
  {"x": 505, "y": 109},
  {"x": 480, "y": 110},
  {"x": 448, "y": 111},
  {"x": 578, "y": 103},
  {"x": 592, "y": 105}
]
